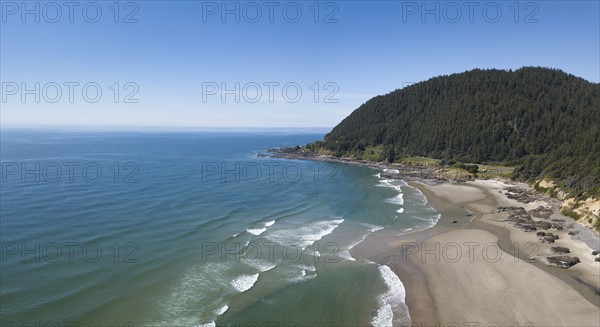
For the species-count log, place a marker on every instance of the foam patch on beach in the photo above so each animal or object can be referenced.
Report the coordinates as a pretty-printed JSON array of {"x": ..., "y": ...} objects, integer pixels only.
[
  {"x": 269, "y": 223},
  {"x": 244, "y": 282},
  {"x": 392, "y": 309},
  {"x": 435, "y": 219},
  {"x": 345, "y": 253},
  {"x": 428, "y": 223},
  {"x": 422, "y": 198}
]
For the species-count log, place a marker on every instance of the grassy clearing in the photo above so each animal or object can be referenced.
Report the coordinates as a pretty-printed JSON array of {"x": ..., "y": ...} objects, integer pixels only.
[
  {"x": 420, "y": 161},
  {"x": 373, "y": 153},
  {"x": 495, "y": 171}
]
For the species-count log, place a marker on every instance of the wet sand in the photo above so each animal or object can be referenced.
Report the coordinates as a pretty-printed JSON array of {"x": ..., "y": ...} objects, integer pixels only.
[{"x": 482, "y": 270}]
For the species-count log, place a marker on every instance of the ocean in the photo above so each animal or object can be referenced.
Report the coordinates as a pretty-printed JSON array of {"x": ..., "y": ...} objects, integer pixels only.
[{"x": 194, "y": 229}]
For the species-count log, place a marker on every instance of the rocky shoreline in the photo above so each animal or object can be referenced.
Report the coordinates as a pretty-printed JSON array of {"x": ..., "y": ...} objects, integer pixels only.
[
  {"x": 515, "y": 218},
  {"x": 537, "y": 221},
  {"x": 422, "y": 174},
  {"x": 524, "y": 221}
]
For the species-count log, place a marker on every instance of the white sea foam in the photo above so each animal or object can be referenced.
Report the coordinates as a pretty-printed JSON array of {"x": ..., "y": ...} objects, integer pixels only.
[
  {"x": 326, "y": 229},
  {"x": 222, "y": 310},
  {"x": 345, "y": 253},
  {"x": 392, "y": 309},
  {"x": 269, "y": 223},
  {"x": 302, "y": 278},
  {"x": 384, "y": 317},
  {"x": 260, "y": 265},
  {"x": 431, "y": 220},
  {"x": 373, "y": 228},
  {"x": 306, "y": 273},
  {"x": 422, "y": 198},
  {"x": 398, "y": 199},
  {"x": 401, "y": 210},
  {"x": 308, "y": 268},
  {"x": 386, "y": 183},
  {"x": 210, "y": 324},
  {"x": 244, "y": 282},
  {"x": 256, "y": 231},
  {"x": 313, "y": 252},
  {"x": 198, "y": 285},
  {"x": 304, "y": 236}
]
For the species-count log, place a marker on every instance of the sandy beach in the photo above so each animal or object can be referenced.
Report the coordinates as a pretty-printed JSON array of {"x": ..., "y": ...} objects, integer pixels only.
[{"x": 485, "y": 272}]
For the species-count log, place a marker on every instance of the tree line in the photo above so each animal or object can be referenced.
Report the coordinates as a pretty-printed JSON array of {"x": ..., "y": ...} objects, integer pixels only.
[{"x": 543, "y": 121}]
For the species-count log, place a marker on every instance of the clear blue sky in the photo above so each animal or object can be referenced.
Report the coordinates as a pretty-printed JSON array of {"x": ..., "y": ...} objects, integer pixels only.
[{"x": 178, "y": 51}]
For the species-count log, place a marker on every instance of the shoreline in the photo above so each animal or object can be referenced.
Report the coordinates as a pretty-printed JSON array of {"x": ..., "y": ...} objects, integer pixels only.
[
  {"x": 499, "y": 285},
  {"x": 511, "y": 282}
]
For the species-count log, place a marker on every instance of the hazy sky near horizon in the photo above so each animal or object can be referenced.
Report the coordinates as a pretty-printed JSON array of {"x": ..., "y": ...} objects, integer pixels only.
[{"x": 264, "y": 64}]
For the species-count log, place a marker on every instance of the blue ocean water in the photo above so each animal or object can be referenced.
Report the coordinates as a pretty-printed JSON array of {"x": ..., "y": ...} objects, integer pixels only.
[{"x": 192, "y": 228}]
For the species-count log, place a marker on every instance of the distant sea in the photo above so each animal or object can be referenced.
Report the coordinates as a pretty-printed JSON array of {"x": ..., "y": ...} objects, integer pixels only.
[{"x": 189, "y": 229}]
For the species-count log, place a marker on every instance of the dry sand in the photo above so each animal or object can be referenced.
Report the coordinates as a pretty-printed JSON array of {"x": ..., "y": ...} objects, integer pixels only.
[{"x": 476, "y": 274}]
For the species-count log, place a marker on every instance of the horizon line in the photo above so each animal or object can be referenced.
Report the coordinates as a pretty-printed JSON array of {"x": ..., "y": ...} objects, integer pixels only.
[{"x": 150, "y": 128}]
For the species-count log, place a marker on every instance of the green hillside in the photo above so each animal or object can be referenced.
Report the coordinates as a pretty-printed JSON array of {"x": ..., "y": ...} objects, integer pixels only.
[{"x": 544, "y": 121}]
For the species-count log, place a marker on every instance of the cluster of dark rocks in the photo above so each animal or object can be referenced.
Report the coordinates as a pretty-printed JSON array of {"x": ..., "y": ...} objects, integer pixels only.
[
  {"x": 508, "y": 209},
  {"x": 409, "y": 173},
  {"x": 541, "y": 212},
  {"x": 563, "y": 261},
  {"x": 547, "y": 237},
  {"x": 519, "y": 194},
  {"x": 560, "y": 250},
  {"x": 521, "y": 219},
  {"x": 428, "y": 175}
]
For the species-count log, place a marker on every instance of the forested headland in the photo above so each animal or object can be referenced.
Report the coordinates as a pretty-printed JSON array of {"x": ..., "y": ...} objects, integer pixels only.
[{"x": 544, "y": 122}]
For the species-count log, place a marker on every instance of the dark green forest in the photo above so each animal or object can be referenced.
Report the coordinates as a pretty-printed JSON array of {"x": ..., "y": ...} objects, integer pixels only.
[{"x": 544, "y": 121}]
